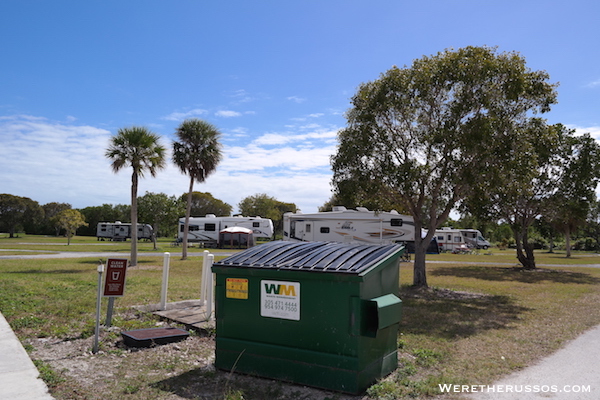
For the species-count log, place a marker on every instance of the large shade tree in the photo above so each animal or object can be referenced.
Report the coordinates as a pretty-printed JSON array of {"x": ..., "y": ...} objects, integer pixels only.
[
  {"x": 161, "y": 211},
  {"x": 265, "y": 206},
  {"x": 426, "y": 133},
  {"x": 197, "y": 152},
  {"x": 524, "y": 181},
  {"x": 576, "y": 191},
  {"x": 138, "y": 148},
  {"x": 205, "y": 203}
]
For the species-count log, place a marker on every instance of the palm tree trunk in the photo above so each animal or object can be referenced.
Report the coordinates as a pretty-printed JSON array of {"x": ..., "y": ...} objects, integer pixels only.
[
  {"x": 186, "y": 225},
  {"x": 134, "y": 218}
]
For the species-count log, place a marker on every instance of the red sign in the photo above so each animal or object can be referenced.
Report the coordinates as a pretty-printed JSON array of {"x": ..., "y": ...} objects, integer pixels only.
[{"x": 114, "y": 283}]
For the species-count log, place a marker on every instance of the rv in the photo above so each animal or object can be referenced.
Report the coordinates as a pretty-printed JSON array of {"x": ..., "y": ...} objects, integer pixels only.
[
  {"x": 453, "y": 239},
  {"x": 118, "y": 231},
  {"x": 206, "y": 229},
  {"x": 343, "y": 225}
]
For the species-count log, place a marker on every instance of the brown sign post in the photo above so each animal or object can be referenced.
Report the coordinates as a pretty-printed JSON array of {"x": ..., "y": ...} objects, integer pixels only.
[{"x": 114, "y": 283}]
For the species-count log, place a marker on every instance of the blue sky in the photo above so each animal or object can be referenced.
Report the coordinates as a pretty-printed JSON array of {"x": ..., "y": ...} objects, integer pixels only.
[{"x": 274, "y": 76}]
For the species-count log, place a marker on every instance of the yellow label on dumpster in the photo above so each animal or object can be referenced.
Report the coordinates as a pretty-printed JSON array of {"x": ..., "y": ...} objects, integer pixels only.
[{"x": 236, "y": 288}]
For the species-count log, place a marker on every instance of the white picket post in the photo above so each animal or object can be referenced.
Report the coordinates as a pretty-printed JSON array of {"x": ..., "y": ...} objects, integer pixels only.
[
  {"x": 210, "y": 286},
  {"x": 165, "y": 282}
]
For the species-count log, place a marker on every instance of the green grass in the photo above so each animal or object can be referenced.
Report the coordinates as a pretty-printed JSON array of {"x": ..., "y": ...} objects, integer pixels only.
[
  {"x": 86, "y": 243},
  {"x": 508, "y": 318}
]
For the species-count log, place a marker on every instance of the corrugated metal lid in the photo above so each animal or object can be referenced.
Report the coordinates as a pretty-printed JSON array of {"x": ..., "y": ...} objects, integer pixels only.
[{"x": 312, "y": 256}]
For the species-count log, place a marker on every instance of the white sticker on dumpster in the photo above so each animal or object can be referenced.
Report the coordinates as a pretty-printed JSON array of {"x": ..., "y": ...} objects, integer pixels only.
[{"x": 279, "y": 299}]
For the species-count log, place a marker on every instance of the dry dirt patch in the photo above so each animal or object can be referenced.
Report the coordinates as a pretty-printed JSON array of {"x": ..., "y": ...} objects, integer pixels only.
[{"x": 182, "y": 370}]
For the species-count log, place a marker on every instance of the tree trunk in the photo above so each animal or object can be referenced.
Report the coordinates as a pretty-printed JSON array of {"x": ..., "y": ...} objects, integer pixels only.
[
  {"x": 524, "y": 248},
  {"x": 419, "y": 271},
  {"x": 154, "y": 236},
  {"x": 186, "y": 225},
  {"x": 568, "y": 242},
  {"x": 134, "y": 218}
]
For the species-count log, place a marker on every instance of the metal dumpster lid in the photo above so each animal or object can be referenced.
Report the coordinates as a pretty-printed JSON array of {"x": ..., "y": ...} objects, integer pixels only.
[{"x": 312, "y": 256}]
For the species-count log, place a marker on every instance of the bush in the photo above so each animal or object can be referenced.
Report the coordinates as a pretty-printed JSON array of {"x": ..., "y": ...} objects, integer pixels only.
[{"x": 585, "y": 244}]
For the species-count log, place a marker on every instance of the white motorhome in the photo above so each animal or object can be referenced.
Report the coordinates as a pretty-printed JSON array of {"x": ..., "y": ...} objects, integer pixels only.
[
  {"x": 344, "y": 225},
  {"x": 118, "y": 231},
  {"x": 452, "y": 239},
  {"x": 206, "y": 229}
]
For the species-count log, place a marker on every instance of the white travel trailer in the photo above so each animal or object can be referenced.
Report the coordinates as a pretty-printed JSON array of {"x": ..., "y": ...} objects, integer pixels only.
[
  {"x": 206, "y": 229},
  {"x": 343, "y": 225},
  {"x": 118, "y": 231},
  {"x": 452, "y": 239}
]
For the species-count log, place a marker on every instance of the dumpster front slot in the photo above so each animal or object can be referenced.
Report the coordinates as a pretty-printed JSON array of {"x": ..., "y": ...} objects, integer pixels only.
[{"x": 371, "y": 316}]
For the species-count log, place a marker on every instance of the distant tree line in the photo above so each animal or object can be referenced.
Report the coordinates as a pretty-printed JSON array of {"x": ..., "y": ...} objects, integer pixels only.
[{"x": 24, "y": 215}]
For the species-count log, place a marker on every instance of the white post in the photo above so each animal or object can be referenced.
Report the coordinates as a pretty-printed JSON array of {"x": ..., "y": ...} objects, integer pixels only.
[
  {"x": 203, "y": 287},
  {"x": 165, "y": 282},
  {"x": 210, "y": 287},
  {"x": 98, "y": 306}
]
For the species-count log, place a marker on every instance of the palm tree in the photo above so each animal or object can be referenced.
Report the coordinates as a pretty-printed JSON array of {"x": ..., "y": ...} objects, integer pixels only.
[
  {"x": 139, "y": 148},
  {"x": 196, "y": 154}
]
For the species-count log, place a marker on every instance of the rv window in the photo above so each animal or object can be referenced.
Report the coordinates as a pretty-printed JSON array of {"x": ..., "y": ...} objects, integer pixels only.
[
  {"x": 449, "y": 238},
  {"x": 191, "y": 228},
  {"x": 396, "y": 222},
  {"x": 441, "y": 238},
  {"x": 256, "y": 224},
  {"x": 307, "y": 228},
  {"x": 210, "y": 227},
  {"x": 324, "y": 229},
  {"x": 457, "y": 239}
]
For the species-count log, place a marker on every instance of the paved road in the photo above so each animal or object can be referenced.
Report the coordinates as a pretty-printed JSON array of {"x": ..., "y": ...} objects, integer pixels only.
[{"x": 572, "y": 373}]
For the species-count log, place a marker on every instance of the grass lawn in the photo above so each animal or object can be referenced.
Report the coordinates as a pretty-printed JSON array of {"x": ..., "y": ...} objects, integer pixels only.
[{"x": 480, "y": 319}]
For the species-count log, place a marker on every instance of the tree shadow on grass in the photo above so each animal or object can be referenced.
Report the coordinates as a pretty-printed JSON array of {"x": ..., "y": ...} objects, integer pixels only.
[
  {"x": 538, "y": 275},
  {"x": 454, "y": 315}
]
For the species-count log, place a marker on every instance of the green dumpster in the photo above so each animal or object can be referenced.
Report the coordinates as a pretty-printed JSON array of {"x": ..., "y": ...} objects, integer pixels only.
[{"x": 313, "y": 313}]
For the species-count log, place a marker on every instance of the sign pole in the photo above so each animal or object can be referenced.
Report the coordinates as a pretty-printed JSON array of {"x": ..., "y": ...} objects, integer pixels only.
[
  {"x": 109, "y": 311},
  {"x": 98, "y": 305}
]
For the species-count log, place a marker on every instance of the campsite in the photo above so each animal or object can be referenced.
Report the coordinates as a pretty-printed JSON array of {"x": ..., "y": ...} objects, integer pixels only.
[{"x": 482, "y": 318}]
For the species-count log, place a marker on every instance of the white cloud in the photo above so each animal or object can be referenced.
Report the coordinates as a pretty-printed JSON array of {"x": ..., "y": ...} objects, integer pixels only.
[
  {"x": 593, "y": 84},
  {"x": 180, "y": 116},
  {"x": 299, "y": 139},
  {"x": 228, "y": 114},
  {"x": 296, "y": 99},
  {"x": 49, "y": 161},
  {"x": 594, "y": 131}
]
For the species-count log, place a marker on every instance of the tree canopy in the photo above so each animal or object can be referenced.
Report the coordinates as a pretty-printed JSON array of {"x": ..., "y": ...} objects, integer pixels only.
[
  {"x": 205, "y": 203},
  {"x": 424, "y": 135},
  {"x": 140, "y": 149},
  {"x": 197, "y": 154},
  {"x": 70, "y": 220},
  {"x": 266, "y": 206}
]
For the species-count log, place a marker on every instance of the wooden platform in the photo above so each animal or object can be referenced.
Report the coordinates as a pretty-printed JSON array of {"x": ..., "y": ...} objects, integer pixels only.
[{"x": 188, "y": 312}]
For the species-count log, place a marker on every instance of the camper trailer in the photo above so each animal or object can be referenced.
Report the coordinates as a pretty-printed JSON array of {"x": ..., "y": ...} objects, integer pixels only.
[
  {"x": 206, "y": 229},
  {"x": 453, "y": 239},
  {"x": 118, "y": 231},
  {"x": 344, "y": 225},
  {"x": 353, "y": 226}
]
